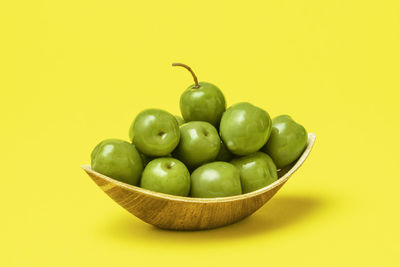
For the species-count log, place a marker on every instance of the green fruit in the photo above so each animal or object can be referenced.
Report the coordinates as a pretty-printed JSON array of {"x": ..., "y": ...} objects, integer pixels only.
[
  {"x": 166, "y": 175},
  {"x": 256, "y": 171},
  {"x": 216, "y": 179},
  {"x": 155, "y": 132},
  {"x": 179, "y": 120},
  {"x": 199, "y": 144},
  {"x": 117, "y": 159},
  {"x": 287, "y": 141},
  {"x": 245, "y": 128},
  {"x": 202, "y": 101},
  {"x": 224, "y": 154}
]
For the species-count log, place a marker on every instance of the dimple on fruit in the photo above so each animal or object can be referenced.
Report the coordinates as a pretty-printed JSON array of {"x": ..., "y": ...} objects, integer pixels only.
[
  {"x": 166, "y": 175},
  {"x": 155, "y": 132},
  {"x": 200, "y": 143}
]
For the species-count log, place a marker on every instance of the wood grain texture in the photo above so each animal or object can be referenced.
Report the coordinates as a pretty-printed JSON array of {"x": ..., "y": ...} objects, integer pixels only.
[{"x": 185, "y": 213}]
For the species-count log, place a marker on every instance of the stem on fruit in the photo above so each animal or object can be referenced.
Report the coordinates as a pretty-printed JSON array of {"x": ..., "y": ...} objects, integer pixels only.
[{"x": 196, "y": 83}]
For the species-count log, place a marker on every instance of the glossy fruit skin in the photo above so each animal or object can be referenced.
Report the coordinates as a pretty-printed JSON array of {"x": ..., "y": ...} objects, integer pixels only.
[
  {"x": 95, "y": 150},
  {"x": 245, "y": 128},
  {"x": 256, "y": 171},
  {"x": 117, "y": 159},
  {"x": 206, "y": 103},
  {"x": 166, "y": 175},
  {"x": 224, "y": 154},
  {"x": 199, "y": 144},
  {"x": 287, "y": 141},
  {"x": 179, "y": 120},
  {"x": 216, "y": 179},
  {"x": 155, "y": 132}
]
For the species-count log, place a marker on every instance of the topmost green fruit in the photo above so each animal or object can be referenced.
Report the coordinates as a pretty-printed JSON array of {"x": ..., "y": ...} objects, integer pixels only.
[{"x": 201, "y": 101}]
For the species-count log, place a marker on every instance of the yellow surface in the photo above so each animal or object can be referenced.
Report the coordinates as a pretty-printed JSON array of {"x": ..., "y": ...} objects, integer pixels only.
[{"x": 75, "y": 72}]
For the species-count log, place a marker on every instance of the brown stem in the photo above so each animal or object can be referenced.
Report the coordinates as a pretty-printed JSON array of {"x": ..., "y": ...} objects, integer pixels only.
[{"x": 196, "y": 83}]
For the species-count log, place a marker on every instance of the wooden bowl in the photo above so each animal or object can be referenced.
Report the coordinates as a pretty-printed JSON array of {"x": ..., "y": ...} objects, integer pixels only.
[{"x": 185, "y": 213}]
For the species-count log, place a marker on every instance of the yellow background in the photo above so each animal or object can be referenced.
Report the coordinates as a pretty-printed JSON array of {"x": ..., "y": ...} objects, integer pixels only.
[{"x": 75, "y": 72}]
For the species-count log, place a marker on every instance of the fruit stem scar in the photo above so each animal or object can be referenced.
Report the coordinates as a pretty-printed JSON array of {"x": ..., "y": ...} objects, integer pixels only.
[{"x": 196, "y": 83}]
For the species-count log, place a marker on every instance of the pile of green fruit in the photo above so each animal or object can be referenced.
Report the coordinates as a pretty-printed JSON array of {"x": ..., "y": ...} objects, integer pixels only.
[{"x": 210, "y": 152}]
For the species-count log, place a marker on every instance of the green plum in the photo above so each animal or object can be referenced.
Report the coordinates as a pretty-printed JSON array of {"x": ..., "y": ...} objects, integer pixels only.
[
  {"x": 166, "y": 175},
  {"x": 245, "y": 128},
  {"x": 224, "y": 154},
  {"x": 216, "y": 179},
  {"x": 117, "y": 159},
  {"x": 287, "y": 141},
  {"x": 200, "y": 143},
  {"x": 179, "y": 120},
  {"x": 256, "y": 171},
  {"x": 202, "y": 101},
  {"x": 155, "y": 132}
]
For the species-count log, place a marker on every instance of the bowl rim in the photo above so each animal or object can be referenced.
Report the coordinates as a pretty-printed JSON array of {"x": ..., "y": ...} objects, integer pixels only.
[{"x": 310, "y": 143}]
